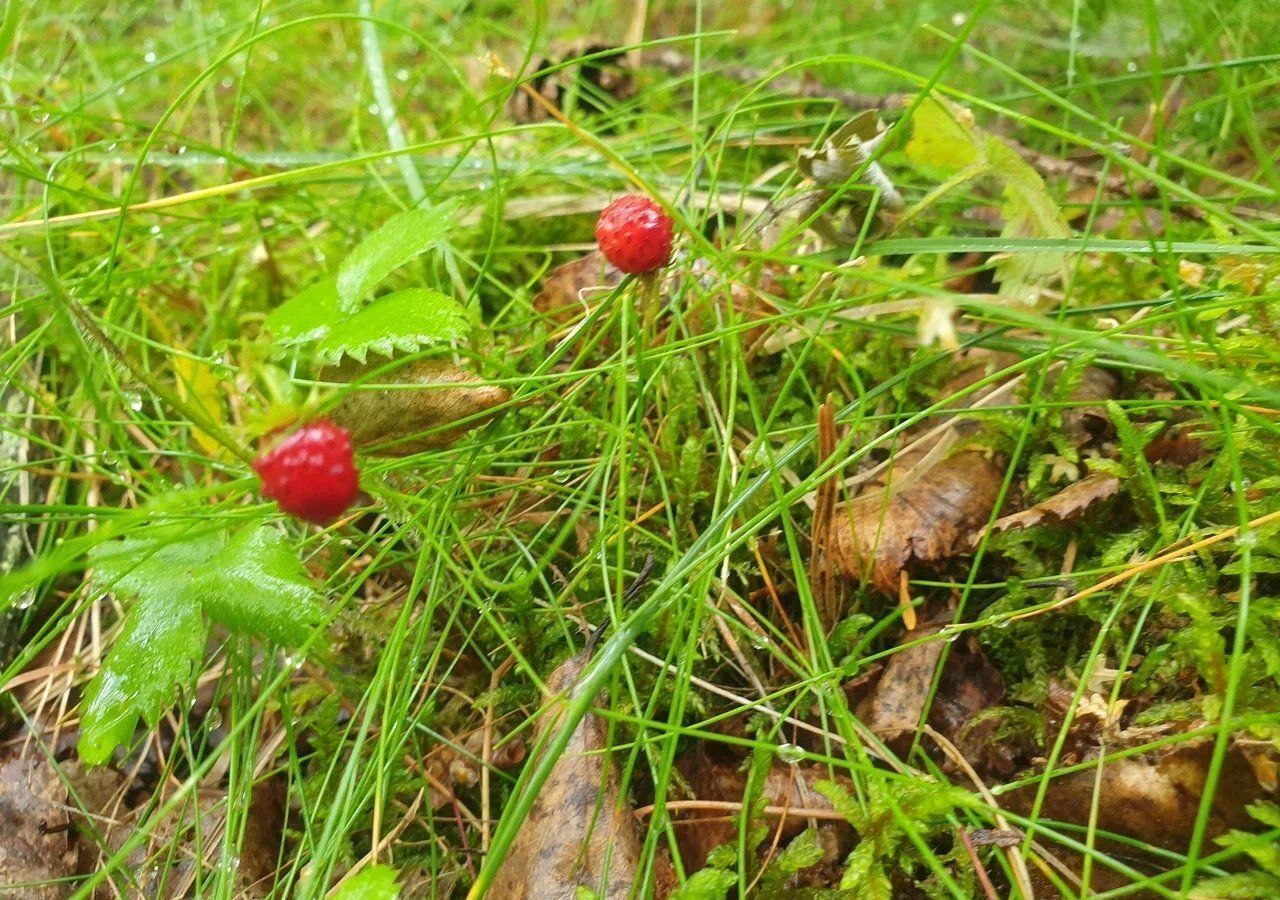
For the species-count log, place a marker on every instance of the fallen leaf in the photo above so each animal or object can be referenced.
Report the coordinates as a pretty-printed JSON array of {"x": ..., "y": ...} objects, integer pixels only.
[
  {"x": 1068, "y": 504},
  {"x": 715, "y": 776},
  {"x": 929, "y": 516},
  {"x": 1174, "y": 449},
  {"x": 580, "y": 831},
  {"x": 561, "y": 297},
  {"x": 1088, "y": 419},
  {"x": 37, "y": 842},
  {"x": 1154, "y": 797},
  {"x": 394, "y": 421}
]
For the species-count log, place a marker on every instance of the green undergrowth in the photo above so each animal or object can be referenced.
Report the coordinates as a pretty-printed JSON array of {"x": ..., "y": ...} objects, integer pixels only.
[{"x": 332, "y": 668}]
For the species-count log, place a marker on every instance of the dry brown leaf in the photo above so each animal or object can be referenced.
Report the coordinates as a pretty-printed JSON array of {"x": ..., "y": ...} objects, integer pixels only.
[
  {"x": 580, "y": 831},
  {"x": 1174, "y": 449},
  {"x": 398, "y": 422},
  {"x": 1085, "y": 423},
  {"x": 35, "y": 830},
  {"x": 1154, "y": 797},
  {"x": 714, "y": 776},
  {"x": 1064, "y": 506},
  {"x": 561, "y": 298},
  {"x": 929, "y": 517}
]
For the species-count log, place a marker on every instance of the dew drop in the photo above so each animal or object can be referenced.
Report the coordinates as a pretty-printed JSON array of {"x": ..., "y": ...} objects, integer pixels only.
[
  {"x": 24, "y": 600},
  {"x": 213, "y": 721},
  {"x": 790, "y": 754},
  {"x": 150, "y": 57},
  {"x": 1131, "y": 66},
  {"x": 402, "y": 74}
]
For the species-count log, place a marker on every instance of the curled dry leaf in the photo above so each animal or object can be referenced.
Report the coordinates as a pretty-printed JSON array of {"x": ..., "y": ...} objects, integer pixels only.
[
  {"x": 1068, "y": 504},
  {"x": 580, "y": 831},
  {"x": 561, "y": 297},
  {"x": 396, "y": 421},
  {"x": 929, "y": 516}
]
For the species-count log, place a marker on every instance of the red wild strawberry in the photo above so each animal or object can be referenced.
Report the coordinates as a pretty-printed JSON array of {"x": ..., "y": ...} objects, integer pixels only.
[
  {"x": 635, "y": 235},
  {"x": 311, "y": 473}
]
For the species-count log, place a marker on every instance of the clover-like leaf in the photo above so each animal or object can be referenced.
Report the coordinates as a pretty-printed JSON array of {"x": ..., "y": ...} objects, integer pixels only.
[
  {"x": 307, "y": 316},
  {"x": 397, "y": 241},
  {"x": 252, "y": 583},
  {"x": 406, "y": 320}
]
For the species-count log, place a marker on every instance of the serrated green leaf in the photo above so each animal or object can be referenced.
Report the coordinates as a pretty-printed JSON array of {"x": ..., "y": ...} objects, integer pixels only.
[
  {"x": 943, "y": 140},
  {"x": 1244, "y": 886},
  {"x": 256, "y": 586},
  {"x": 406, "y": 321},
  {"x": 706, "y": 884},
  {"x": 945, "y": 144},
  {"x": 398, "y": 240},
  {"x": 252, "y": 583},
  {"x": 162, "y": 639},
  {"x": 372, "y": 883},
  {"x": 307, "y": 316}
]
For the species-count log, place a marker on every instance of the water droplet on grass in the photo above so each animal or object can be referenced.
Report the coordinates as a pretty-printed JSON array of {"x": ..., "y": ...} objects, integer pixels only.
[{"x": 791, "y": 754}]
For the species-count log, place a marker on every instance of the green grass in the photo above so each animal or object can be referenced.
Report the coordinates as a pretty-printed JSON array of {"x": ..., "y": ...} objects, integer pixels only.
[{"x": 639, "y": 432}]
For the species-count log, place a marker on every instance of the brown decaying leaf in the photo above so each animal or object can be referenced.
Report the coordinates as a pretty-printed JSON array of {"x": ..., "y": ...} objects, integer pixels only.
[
  {"x": 561, "y": 298},
  {"x": 36, "y": 845},
  {"x": 580, "y": 830},
  {"x": 894, "y": 706},
  {"x": 928, "y": 517},
  {"x": 1154, "y": 797},
  {"x": 1068, "y": 504},
  {"x": 398, "y": 422},
  {"x": 715, "y": 776}
]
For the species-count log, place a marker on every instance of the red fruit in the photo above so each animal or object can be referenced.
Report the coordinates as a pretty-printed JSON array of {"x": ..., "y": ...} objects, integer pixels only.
[
  {"x": 311, "y": 473},
  {"x": 635, "y": 235}
]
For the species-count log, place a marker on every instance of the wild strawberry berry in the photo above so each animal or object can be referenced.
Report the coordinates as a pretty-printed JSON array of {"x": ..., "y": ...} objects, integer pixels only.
[
  {"x": 635, "y": 235},
  {"x": 311, "y": 473}
]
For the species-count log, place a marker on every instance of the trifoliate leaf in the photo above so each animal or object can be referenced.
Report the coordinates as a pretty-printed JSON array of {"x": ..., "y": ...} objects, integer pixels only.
[
  {"x": 373, "y": 883},
  {"x": 406, "y": 320},
  {"x": 306, "y": 316},
  {"x": 399, "y": 239},
  {"x": 945, "y": 144},
  {"x": 251, "y": 583}
]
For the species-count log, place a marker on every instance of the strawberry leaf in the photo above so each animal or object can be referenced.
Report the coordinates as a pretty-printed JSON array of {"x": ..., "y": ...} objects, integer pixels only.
[
  {"x": 399, "y": 239},
  {"x": 160, "y": 642},
  {"x": 252, "y": 583},
  {"x": 406, "y": 321},
  {"x": 256, "y": 586},
  {"x": 307, "y": 316},
  {"x": 373, "y": 883}
]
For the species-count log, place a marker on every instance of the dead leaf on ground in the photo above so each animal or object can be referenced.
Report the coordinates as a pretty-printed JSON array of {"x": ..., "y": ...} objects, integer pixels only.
[
  {"x": 714, "y": 776},
  {"x": 395, "y": 421},
  {"x": 930, "y": 515},
  {"x": 895, "y": 705},
  {"x": 1175, "y": 448},
  {"x": 1065, "y": 506},
  {"x": 561, "y": 297},
  {"x": 1087, "y": 421},
  {"x": 580, "y": 831},
  {"x": 37, "y": 838},
  {"x": 1154, "y": 797},
  {"x": 458, "y": 768}
]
